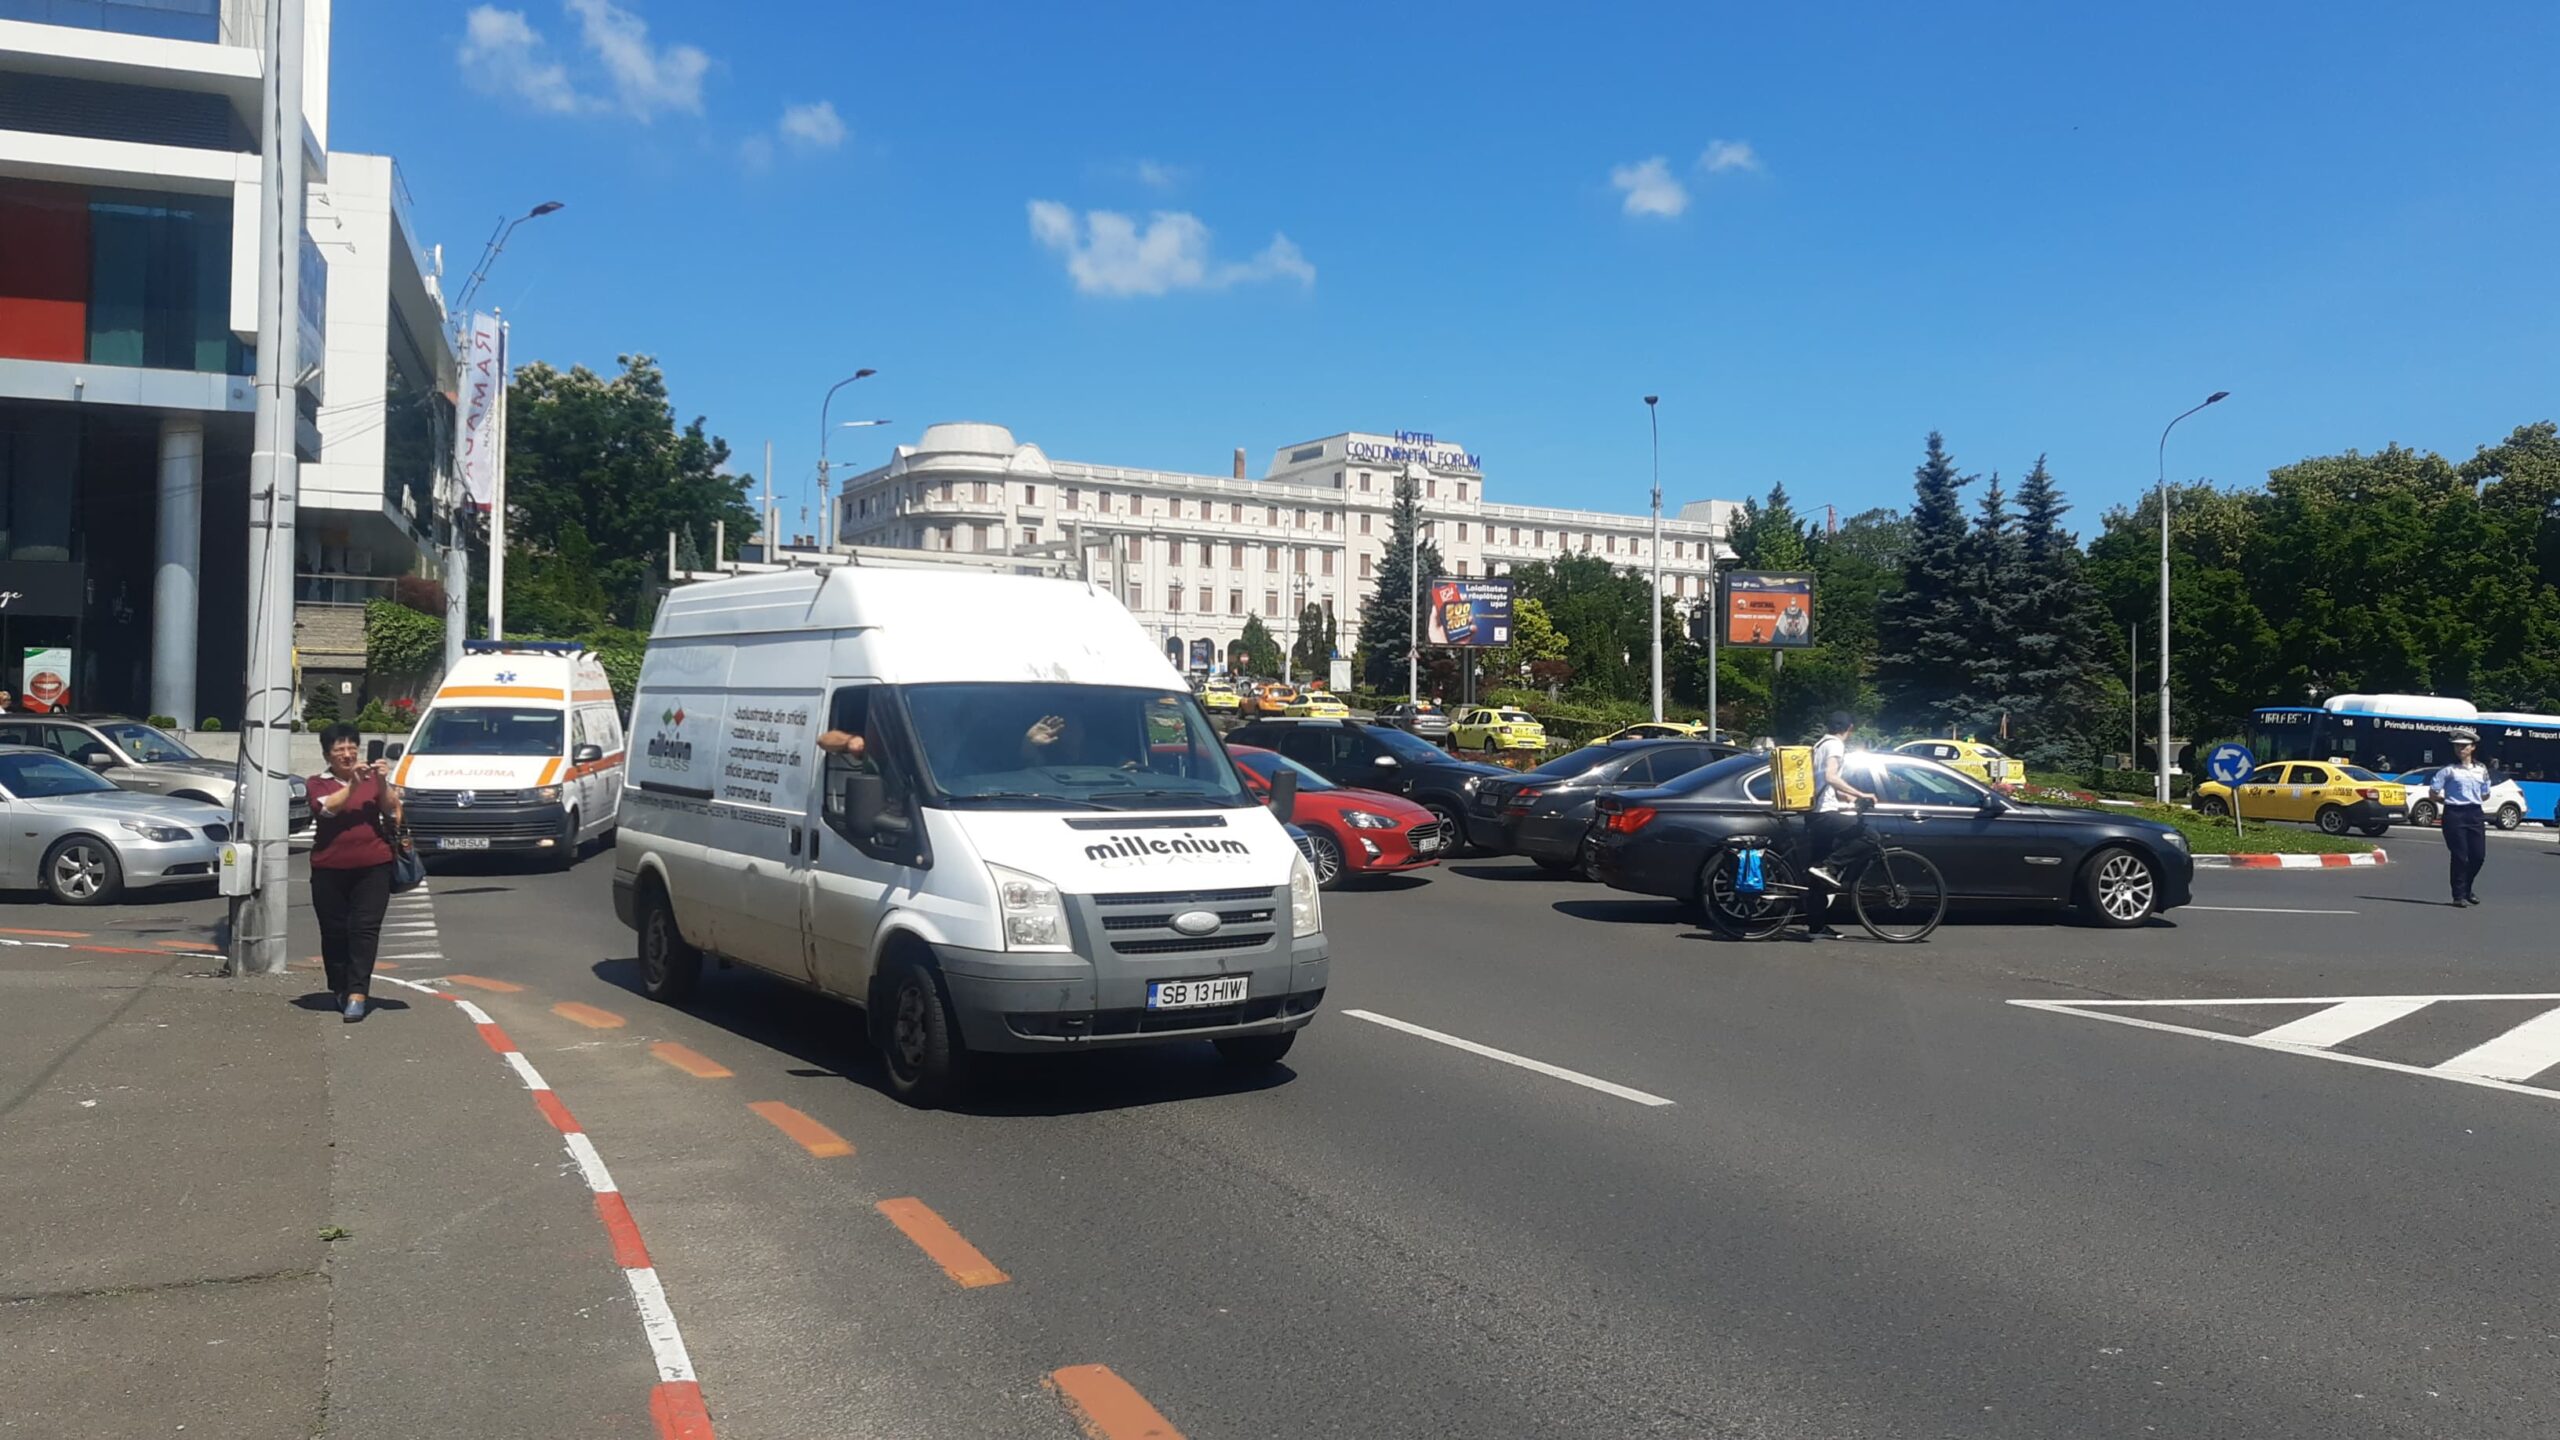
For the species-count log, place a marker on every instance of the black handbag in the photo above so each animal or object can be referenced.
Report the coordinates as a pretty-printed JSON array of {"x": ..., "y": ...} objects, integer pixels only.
[{"x": 408, "y": 872}]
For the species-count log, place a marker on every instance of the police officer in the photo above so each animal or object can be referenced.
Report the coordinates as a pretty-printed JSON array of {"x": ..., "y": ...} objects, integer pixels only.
[{"x": 2462, "y": 789}]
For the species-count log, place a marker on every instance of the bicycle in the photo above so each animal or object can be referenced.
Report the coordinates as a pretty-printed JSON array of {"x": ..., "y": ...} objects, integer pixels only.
[{"x": 1898, "y": 895}]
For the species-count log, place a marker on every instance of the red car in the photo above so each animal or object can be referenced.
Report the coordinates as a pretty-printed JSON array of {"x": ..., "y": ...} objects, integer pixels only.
[{"x": 1349, "y": 832}]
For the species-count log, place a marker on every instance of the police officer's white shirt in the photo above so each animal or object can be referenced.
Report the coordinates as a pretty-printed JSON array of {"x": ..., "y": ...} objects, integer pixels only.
[{"x": 2462, "y": 784}]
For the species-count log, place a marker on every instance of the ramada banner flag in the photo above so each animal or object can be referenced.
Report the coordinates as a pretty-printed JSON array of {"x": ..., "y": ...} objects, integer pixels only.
[{"x": 484, "y": 374}]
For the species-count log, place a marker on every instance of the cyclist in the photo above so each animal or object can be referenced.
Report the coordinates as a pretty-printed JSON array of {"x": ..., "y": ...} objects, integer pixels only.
[{"x": 1842, "y": 843}]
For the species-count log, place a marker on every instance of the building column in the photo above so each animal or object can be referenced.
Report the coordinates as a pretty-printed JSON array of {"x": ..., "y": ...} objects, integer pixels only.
[{"x": 173, "y": 591}]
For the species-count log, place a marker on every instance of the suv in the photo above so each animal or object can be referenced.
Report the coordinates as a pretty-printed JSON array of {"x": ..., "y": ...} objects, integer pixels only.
[
  {"x": 144, "y": 758},
  {"x": 1378, "y": 757},
  {"x": 1424, "y": 719}
]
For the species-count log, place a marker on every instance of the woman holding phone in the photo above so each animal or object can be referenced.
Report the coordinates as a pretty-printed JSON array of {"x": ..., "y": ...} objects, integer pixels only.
[{"x": 355, "y": 812}]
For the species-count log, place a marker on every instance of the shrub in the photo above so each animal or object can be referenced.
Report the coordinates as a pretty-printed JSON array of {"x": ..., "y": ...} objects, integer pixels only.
[
  {"x": 210, "y": 722},
  {"x": 379, "y": 719},
  {"x": 165, "y": 722},
  {"x": 320, "y": 707}
]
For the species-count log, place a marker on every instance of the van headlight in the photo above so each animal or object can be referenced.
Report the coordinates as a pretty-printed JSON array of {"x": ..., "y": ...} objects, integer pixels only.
[
  {"x": 1034, "y": 919},
  {"x": 1306, "y": 905},
  {"x": 546, "y": 794}
]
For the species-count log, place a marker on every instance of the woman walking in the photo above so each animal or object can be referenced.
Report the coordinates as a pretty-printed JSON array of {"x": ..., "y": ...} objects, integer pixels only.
[
  {"x": 355, "y": 810},
  {"x": 2461, "y": 789}
]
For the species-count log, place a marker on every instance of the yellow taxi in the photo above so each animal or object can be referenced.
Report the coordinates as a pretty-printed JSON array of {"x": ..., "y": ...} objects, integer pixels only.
[
  {"x": 1220, "y": 697},
  {"x": 2337, "y": 798},
  {"x": 1489, "y": 728},
  {"x": 1967, "y": 757},
  {"x": 1317, "y": 704},
  {"x": 1656, "y": 730},
  {"x": 1274, "y": 699}
]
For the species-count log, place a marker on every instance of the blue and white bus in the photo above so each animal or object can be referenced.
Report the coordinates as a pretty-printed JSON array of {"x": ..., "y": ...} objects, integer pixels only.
[{"x": 2388, "y": 734}]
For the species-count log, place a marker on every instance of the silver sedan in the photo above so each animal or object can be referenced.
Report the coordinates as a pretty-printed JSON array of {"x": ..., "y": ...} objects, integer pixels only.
[{"x": 82, "y": 841}]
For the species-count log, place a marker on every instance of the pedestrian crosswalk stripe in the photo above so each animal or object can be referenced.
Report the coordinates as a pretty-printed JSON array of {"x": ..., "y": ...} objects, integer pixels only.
[{"x": 2504, "y": 1062}]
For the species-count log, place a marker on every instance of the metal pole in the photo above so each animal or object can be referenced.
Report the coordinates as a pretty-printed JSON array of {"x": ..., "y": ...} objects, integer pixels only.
[
  {"x": 1715, "y": 623},
  {"x": 772, "y": 546},
  {"x": 258, "y": 919},
  {"x": 1413, "y": 615},
  {"x": 2133, "y": 693},
  {"x": 1653, "y": 418},
  {"x": 826, "y": 511},
  {"x": 2162, "y": 787},
  {"x": 498, "y": 490},
  {"x": 1289, "y": 630}
]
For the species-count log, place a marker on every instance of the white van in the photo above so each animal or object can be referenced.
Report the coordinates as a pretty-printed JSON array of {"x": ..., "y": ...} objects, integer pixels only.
[
  {"x": 520, "y": 750},
  {"x": 1042, "y": 845}
]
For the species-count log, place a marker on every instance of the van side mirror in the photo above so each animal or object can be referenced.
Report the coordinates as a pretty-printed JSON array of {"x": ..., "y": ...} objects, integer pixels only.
[
  {"x": 586, "y": 755},
  {"x": 864, "y": 802},
  {"x": 396, "y": 749},
  {"x": 1284, "y": 794}
]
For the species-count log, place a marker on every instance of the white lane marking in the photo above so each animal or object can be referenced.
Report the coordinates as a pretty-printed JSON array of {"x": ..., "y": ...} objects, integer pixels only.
[
  {"x": 2061, "y": 1007},
  {"x": 2520, "y": 1054},
  {"x": 1556, "y": 1072},
  {"x": 658, "y": 1319},
  {"x": 591, "y": 1164},
  {"x": 2262, "y": 910},
  {"x": 478, "y": 1015},
  {"x": 2196, "y": 1003},
  {"x": 524, "y": 1069},
  {"x": 412, "y": 984},
  {"x": 2341, "y": 1022},
  {"x": 415, "y": 955}
]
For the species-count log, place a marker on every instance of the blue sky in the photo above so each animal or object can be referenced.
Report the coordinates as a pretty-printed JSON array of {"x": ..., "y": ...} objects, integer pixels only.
[{"x": 1145, "y": 235}]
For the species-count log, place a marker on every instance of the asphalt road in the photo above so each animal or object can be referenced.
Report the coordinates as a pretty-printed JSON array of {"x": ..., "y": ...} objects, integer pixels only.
[{"x": 1882, "y": 1200}]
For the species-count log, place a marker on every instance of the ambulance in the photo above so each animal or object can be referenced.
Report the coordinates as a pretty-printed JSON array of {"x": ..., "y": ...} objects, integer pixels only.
[
  {"x": 979, "y": 806},
  {"x": 520, "y": 751}
]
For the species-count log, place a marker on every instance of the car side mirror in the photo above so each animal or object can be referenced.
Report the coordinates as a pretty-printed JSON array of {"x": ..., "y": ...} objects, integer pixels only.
[
  {"x": 1283, "y": 799},
  {"x": 1386, "y": 762},
  {"x": 98, "y": 760},
  {"x": 586, "y": 755},
  {"x": 1993, "y": 803}
]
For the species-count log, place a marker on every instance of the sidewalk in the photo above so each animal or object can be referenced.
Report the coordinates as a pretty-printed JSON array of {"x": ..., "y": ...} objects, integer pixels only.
[{"x": 176, "y": 1146}]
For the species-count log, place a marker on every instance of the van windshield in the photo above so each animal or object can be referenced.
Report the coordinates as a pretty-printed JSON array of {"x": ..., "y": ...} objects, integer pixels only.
[
  {"x": 488, "y": 730},
  {"x": 1086, "y": 746}
]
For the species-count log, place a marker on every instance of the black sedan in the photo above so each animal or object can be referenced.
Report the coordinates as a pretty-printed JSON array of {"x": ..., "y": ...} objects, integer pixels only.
[
  {"x": 2117, "y": 869},
  {"x": 1379, "y": 757},
  {"x": 1546, "y": 814}
]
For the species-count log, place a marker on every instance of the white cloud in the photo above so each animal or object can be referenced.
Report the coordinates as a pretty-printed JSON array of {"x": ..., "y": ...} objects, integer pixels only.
[
  {"x": 1650, "y": 189},
  {"x": 816, "y": 126},
  {"x": 648, "y": 79},
  {"x": 1723, "y": 155},
  {"x": 1156, "y": 175},
  {"x": 503, "y": 53},
  {"x": 756, "y": 151},
  {"x": 1110, "y": 254}
]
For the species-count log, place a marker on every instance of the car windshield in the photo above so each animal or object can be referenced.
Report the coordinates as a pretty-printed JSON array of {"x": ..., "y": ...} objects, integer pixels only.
[
  {"x": 1516, "y": 717},
  {"x": 1564, "y": 767},
  {"x": 1404, "y": 746},
  {"x": 40, "y": 777},
  {"x": 1706, "y": 775},
  {"x": 488, "y": 730},
  {"x": 148, "y": 745},
  {"x": 1116, "y": 746},
  {"x": 1266, "y": 764}
]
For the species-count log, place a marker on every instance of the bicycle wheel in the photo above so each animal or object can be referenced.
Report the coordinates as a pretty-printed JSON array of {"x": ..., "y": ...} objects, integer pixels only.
[
  {"x": 1899, "y": 896},
  {"x": 1738, "y": 916}
]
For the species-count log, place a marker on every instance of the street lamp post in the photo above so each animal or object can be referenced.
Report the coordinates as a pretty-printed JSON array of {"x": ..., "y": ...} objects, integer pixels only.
[
  {"x": 825, "y": 504},
  {"x": 461, "y": 315},
  {"x": 1653, "y": 419},
  {"x": 490, "y": 252},
  {"x": 2162, "y": 784},
  {"x": 826, "y": 512}
]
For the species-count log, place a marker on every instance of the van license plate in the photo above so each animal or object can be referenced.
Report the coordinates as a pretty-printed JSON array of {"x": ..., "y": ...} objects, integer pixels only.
[
  {"x": 462, "y": 842},
  {"x": 1193, "y": 994}
]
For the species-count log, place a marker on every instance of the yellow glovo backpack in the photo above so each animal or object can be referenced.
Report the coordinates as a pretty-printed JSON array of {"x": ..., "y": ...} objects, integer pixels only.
[{"x": 1793, "y": 767}]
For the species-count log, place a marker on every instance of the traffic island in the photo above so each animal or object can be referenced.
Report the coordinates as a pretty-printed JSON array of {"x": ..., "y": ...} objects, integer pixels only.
[{"x": 2332, "y": 861}]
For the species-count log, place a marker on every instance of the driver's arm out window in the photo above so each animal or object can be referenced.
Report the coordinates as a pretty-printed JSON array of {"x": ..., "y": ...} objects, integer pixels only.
[{"x": 851, "y": 711}]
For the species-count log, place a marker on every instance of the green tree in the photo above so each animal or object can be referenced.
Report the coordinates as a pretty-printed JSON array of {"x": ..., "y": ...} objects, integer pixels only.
[
  {"x": 1387, "y": 616},
  {"x": 1603, "y": 614},
  {"x": 1311, "y": 652},
  {"x": 2063, "y": 710},
  {"x": 1770, "y": 535},
  {"x": 1535, "y": 643},
  {"x": 1257, "y": 653},
  {"x": 1922, "y": 640},
  {"x": 605, "y": 459},
  {"x": 1990, "y": 606}
]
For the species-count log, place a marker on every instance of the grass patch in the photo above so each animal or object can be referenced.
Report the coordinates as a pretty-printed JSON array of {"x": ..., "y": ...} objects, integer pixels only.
[{"x": 2212, "y": 835}]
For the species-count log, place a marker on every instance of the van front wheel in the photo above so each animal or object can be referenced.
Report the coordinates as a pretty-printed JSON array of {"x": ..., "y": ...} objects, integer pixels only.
[
  {"x": 919, "y": 1041},
  {"x": 669, "y": 968}
]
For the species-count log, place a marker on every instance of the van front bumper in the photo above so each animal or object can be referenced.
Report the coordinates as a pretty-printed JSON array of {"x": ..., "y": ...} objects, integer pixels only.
[
  {"x": 502, "y": 826},
  {"x": 1008, "y": 1001}
]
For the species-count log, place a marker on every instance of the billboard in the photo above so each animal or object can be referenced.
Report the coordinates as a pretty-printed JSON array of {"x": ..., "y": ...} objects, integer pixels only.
[
  {"x": 1470, "y": 614},
  {"x": 44, "y": 683},
  {"x": 1203, "y": 651},
  {"x": 1768, "y": 611}
]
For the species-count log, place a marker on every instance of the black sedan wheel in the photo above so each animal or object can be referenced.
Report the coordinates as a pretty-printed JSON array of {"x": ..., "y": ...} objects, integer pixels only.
[
  {"x": 1453, "y": 830},
  {"x": 2120, "y": 889}
]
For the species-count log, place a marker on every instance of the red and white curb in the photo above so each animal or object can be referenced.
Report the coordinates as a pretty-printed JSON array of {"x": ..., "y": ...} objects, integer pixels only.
[
  {"x": 2291, "y": 862},
  {"x": 675, "y": 1403}
]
